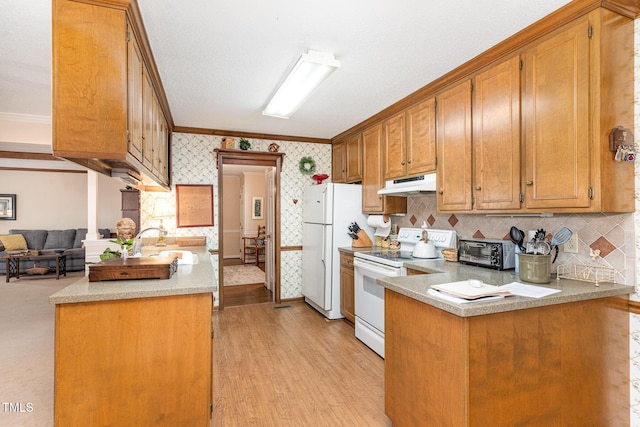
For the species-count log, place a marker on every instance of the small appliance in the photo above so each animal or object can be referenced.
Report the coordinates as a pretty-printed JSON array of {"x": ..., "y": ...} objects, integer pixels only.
[{"x": 496, "y": 254}]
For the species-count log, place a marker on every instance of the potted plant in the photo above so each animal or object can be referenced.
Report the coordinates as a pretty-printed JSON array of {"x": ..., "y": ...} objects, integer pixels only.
[
  {"x": 244, "y": 144},
  {"x": 125, "y": 246}
]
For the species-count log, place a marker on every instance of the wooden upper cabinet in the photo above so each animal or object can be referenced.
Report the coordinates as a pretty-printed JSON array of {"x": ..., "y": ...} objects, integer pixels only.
[
  {"x": 421, "y": 138},
  {"x": 134, "y": 94},
  {"x": 105, "y": 102},
  {"x": 372, "y": 175},
  {"x": 454, "y": 148},
  {"x": 148, "y": 122},
  {"x": 353, "y": 152},
  {"x": 372, "y": 180},
  {"x": 89, "y": 81},
  {"x": 338, "y": 163},
  {"x": 556, "y": 120},
  {"x": 496, "y": 137},
  {"x": 410, "y": 141},
  {"x": 395, "y": 157}
]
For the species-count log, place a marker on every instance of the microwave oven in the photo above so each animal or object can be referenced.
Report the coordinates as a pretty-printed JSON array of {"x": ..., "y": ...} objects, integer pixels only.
[{"x": 496, "y": 254}]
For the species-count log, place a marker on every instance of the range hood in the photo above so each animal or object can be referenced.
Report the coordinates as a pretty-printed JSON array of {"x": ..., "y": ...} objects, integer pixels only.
[
  {"x": 127, "y": 175},
  {"x": 410, "y": 186}
]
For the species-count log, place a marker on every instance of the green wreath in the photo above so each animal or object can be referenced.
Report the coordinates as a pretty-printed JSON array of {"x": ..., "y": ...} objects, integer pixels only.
[{"x": 307, "y": 166}]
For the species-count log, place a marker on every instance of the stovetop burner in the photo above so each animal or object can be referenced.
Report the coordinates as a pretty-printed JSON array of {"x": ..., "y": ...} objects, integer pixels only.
[{"x": 408, "y": 237}]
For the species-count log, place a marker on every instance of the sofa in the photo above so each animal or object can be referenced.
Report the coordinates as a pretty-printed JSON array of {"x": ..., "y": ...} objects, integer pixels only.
[{"x": 47, "y": 242}]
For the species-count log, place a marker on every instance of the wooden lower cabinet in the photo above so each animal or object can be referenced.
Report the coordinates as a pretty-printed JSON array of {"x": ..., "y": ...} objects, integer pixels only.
[
  {"x": 134, "y": 362},
  {"x": 560, "y": 365},
  {"x": 347, "y": 298}
]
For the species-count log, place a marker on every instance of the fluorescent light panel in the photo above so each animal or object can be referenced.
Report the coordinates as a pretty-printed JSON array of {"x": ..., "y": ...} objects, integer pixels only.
[{"x": 309, "y": 72}]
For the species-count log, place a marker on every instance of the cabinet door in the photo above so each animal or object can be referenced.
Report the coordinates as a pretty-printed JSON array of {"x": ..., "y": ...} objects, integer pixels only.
[
  {"x": 372, "y": 173},
  {"x": 556, "y": 119},
  {"x": 395, "y": 157},
  {"x": 338, "y": 163},
  {"x": 421, "y": 138},
  {"x": 496, "y": 137},
  {"x": 353, "y": 151},
  {"x": 147, "y": 122},
  {"x": 347, "y": 300},
  {"x": 164, "y": 149},
  {"x": 159, "y": 146},
  {"x": 134, "y": 89},
  {"x": 454, "y": 148}
]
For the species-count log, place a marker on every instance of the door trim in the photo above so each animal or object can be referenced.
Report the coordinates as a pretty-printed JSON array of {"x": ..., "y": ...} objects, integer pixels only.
[{"x": 249, "y": 158}]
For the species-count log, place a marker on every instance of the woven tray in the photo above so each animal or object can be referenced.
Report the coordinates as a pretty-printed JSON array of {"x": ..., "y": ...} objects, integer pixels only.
[
  {"x": 37, "y": 270},
  {"x": 450, "y": 254}
]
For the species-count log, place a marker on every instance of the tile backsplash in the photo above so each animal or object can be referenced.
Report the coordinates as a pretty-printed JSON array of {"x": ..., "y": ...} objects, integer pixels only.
[{"x": 611, "y": 234}]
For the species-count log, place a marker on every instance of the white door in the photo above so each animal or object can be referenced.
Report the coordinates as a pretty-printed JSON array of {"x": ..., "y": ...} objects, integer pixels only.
[
  {"x": 316, "y": 263},
  {"x": 270, "y": 271}
]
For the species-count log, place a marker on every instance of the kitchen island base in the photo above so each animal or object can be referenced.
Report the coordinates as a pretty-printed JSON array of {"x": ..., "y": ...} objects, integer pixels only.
[
  {"x": 556, "y": 365},
  {"x": 134, "y": 362}
]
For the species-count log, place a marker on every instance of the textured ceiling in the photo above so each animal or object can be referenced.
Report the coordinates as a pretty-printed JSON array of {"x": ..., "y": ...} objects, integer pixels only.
[{"x": 220, "y": 61}]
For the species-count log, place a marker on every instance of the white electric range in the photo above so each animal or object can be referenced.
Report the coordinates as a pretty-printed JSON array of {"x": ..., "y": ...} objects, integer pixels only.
[{"x": 378, "y": 263}]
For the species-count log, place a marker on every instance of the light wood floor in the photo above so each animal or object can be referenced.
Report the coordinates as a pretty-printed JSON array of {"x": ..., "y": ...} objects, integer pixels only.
[{"x": 292, "y": 367}]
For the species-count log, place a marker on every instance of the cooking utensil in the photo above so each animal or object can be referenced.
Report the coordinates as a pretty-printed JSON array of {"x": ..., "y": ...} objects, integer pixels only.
[
  {"x": 354, "y": 236},
  {"x": 357, "y": 227},
  {"x": 517, "y": 237},
  {"x": 560, "y": 237}
]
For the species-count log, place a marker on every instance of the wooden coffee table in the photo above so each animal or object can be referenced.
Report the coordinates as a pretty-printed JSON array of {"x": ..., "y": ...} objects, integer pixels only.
[{"x": 13, "y": 263}]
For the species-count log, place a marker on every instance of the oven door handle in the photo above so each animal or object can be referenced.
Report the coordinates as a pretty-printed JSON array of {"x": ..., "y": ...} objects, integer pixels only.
[{"x": 375, "y": 267}]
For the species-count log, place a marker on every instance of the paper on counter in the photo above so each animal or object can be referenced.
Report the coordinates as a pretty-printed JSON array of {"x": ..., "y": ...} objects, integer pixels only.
[
  {"x": 464, "y": 290},
  {"x": 531, "y": 291},
  {"x": 451, "y": 298}
]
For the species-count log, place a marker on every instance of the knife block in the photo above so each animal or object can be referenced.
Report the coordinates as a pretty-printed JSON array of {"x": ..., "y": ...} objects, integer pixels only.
[{"x": 363, "y": 240}]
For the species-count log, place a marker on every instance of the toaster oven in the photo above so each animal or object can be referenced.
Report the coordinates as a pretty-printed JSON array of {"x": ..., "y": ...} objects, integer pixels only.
[{"x": 496, "y": 254}]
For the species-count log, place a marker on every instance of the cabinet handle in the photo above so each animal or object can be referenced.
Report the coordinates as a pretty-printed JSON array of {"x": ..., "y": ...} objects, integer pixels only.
[
  {"x": 529, "y": 183},
  {"x": 402, "y": 163},
  {"x": 440, "y": 191},
  {"x": 409, "y": 161},
  {"x": 477, "y": 187}
]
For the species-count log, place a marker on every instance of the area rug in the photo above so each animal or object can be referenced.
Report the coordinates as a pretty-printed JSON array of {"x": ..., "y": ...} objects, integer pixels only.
[{"x": 242, "y": 275}]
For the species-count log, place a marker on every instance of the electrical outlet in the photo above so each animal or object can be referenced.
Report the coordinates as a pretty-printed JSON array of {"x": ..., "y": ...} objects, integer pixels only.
[{"x": 571, "y": 247}]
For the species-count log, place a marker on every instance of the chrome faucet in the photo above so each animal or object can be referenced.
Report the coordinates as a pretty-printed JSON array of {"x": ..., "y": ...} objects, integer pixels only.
[{"x": 137, "y": 241}]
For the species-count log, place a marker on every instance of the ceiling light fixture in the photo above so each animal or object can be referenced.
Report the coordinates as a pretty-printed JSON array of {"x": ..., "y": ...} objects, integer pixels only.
[{"x": 309, "y": 72}]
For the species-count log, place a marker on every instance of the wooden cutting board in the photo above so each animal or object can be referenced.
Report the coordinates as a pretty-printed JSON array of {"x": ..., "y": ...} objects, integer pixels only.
[{"x": 133, "y": 268}]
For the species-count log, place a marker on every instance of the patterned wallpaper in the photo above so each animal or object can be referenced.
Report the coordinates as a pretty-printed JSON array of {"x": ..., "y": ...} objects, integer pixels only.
[
  {"x": 635, "y": 318},
  {"x": 193, "y": 162}
]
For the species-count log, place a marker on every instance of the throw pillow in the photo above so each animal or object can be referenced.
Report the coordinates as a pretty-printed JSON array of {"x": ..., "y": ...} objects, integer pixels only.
[
  {"x": 35, "y": 238},
  {"x": 60, "y": 239},
  {"x": 13, "y": 242}
]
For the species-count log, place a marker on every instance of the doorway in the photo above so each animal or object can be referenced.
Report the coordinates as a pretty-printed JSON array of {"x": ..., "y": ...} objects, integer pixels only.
[
  {"x": 246, "y": 209},
  {"x": 268, "y": 207}
]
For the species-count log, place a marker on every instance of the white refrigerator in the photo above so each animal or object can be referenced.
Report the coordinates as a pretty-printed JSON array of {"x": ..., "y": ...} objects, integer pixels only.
[{"x": 328, "y": 210}]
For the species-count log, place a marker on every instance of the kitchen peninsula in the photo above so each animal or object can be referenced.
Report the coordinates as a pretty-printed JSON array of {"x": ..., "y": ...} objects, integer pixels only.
[
  {"x": 561, "y": 360},
  {"x": 136, "y": 352}
]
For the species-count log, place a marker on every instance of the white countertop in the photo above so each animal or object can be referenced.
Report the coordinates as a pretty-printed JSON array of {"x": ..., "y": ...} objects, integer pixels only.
[{"x": 188, "y": 279}]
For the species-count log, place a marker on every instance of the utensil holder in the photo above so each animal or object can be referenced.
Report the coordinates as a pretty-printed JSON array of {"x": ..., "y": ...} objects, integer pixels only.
[
  {"x": 363, "y": 240},
  {"x": 535, "y": 268}
]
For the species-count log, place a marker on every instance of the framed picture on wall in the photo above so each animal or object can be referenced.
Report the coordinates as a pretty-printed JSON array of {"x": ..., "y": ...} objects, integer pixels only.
[
  {"x": 194, "y": 205},
  {"x": 257, "y": 211},
  {"x": 8, "y": 206}
]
